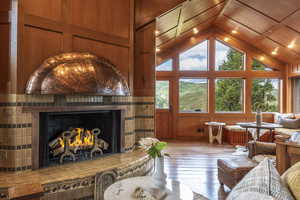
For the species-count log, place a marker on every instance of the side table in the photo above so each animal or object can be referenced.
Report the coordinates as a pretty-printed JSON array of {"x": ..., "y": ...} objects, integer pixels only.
[{"x": 218, "y": 135}]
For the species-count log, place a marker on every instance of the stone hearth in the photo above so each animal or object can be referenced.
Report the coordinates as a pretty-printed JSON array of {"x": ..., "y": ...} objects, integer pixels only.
[
  {"x": 16, "y": 143},
  {"x": 84, "y": 180}
]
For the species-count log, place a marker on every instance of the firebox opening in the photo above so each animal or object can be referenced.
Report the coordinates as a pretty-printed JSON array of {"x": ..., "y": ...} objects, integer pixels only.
[{"x": 75, "y": 136}]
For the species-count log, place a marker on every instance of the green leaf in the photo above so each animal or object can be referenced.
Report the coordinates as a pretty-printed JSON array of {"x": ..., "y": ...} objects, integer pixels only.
[{"x": 160, "y": 146}]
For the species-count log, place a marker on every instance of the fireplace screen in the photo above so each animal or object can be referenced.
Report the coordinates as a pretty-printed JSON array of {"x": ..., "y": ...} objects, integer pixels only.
[{"x": 74, "y": 136}]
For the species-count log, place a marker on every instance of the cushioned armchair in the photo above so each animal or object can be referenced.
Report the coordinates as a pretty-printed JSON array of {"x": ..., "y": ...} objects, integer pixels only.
[{"x": 261, "y": 148}]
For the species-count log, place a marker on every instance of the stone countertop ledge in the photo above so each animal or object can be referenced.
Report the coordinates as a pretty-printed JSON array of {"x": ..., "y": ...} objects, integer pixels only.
[{"x": 71, "y": 170}]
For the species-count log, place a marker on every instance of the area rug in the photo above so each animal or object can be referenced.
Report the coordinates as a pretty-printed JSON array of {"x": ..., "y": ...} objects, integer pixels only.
[{"x": 199, "y": 197}]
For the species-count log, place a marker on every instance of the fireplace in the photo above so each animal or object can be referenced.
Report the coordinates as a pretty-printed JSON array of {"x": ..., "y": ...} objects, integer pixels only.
[{"x": 80, "y": 135}]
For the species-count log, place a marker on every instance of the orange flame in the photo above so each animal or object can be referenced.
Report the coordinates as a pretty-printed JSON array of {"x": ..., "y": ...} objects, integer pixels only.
[{"x": 83, "y": 139}]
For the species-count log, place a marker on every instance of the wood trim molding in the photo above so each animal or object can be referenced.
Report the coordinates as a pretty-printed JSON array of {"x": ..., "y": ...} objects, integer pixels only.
[
  {"x": 70, "y": 108},
  {"x": 62, "y": 27}
]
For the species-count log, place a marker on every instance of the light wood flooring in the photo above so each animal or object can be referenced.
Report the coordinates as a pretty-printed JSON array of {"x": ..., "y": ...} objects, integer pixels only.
[{"x": 195, "y": 165}]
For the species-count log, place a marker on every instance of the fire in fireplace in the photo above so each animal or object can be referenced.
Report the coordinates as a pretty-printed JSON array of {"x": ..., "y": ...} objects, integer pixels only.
[
  {"x": 75, "y": 136},
  {"x": 75, "y": 140}
]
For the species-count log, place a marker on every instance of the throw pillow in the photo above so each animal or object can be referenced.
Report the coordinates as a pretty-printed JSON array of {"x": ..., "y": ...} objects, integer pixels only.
[
  {"x": 259, "y": 158},
  {"x": 295, "y": 137},
  {"x": 292, "y": 179},
  {"x": 263, "y": 179},
  {"x": 254, "y": 196},
  {"x": 278, "y": 116},
  {"x": 290, "y": 123}
]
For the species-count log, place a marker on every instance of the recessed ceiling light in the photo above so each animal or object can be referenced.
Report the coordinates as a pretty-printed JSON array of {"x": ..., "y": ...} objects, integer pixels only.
[
  {"x": 156, "y": 32},
  {"x": 262, "y": 58},
  {"x": 226, "y": 39},
  {"x": 275, "y": 51},
  {"x": 157, "y": 49},
  {"x": 291, "y": 45},
  {"x": 195, "y": 30},
  {"x": 234, "y": 32}
]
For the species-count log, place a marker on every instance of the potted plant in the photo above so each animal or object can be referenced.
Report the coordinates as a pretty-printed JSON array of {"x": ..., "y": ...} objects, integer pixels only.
[{"x": 155, "y": 148}]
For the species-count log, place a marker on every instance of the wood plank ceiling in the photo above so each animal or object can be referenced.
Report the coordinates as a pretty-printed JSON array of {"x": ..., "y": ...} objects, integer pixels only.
[{"x": 266, "y": 24}]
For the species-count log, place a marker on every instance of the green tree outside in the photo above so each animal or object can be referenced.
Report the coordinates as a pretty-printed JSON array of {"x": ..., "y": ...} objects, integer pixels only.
[{"x": 229, "y": 90}]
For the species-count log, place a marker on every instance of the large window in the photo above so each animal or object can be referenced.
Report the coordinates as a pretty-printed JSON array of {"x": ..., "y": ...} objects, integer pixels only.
[
  {"x": 195, "y": 80},
  {"x": 296, "y": 95},
  {"x": 229, "y": 95},
  {"x": 265, "y": 95},
  {"x": 228, "y": 58},
  {"x": 162, "y": 95},
  {"x": 165, "y": 66},
  {"x": 195, "y": 58},
  {"x": 193, "y": 95}
]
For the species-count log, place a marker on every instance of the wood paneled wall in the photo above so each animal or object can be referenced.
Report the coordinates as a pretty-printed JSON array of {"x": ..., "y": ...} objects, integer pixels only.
[
  {"x": 144, "y": 72},
  {"x": 4, "y": 41},
  {"x": 45, "y": 28}
]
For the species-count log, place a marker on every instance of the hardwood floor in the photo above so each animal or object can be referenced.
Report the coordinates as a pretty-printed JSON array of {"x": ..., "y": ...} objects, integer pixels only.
[{"x": 195, "y": 165}]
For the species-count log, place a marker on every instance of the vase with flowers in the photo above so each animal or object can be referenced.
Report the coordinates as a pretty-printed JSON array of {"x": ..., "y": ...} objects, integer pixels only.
[{"x": 155, "y": 148}]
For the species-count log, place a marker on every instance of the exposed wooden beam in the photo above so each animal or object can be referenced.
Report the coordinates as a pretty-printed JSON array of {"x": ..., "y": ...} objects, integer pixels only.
[
  {"x": 181, "y": 18},
  {"x": 226, "y": 4}
]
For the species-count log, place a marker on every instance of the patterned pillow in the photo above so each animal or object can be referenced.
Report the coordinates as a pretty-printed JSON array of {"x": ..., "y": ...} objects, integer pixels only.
[
  {"x": 292, "y": 179},
  {"x": 254, "y": 196},
  {"x": 290, "y": 123},
  {"x": 279, "y": 116},
  {"x": 263, "y": 179}
]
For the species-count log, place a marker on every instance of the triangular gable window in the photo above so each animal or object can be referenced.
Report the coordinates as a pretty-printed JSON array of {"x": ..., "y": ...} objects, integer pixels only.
[
  {"x": 228, "y": 58},
  {"x": 256, "y": 65}
]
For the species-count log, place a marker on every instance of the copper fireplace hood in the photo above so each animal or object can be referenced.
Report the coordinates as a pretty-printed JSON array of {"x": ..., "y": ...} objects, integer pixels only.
[{"x": 77, "y": 73}]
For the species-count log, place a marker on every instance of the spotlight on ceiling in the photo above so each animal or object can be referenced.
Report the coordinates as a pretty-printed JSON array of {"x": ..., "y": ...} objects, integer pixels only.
[
  {"x": 195, "y": 30},
  {"x": 226, "y": 39},
  {"x": 261, "y": 58},
  {"x": 156, "y": 32},
  {"x": 234, "y": 32},
  {"x": 157, "y": 50},
  {"x": 274, "y": 52},
  {"x": 291, "y": 45}
]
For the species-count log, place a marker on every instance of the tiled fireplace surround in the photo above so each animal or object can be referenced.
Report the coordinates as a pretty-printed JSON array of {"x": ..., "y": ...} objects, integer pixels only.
[{"x": 16, "y": 129}]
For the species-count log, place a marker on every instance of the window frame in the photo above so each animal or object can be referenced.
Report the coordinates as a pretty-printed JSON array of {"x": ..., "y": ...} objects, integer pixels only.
[
  {"x": 178, "y": 99},
  {"x": 257, "y": 70},
  {"x": 294, "y": 80},
  {"x": 279, "y": 97},
  {"x": 169, "y": 94},
  {"x": 228, "y": 45},
  {"x": 243, "y": 101},
  {"x": 164, "y": 61},
  {"x": 207, "y": 58}
]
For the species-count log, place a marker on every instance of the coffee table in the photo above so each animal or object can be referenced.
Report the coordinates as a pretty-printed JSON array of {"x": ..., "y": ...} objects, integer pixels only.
[
  {"x": 258, "y": 127},
  {"x": 123, "y": 190}
]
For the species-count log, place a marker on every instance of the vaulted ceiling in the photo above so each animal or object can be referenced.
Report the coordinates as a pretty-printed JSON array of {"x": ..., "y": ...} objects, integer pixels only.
[{"x": 271, "y": 26}]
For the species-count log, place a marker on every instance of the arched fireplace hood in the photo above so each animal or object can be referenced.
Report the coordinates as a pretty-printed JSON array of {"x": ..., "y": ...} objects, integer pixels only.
[{"x": 77, "y": 73}]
